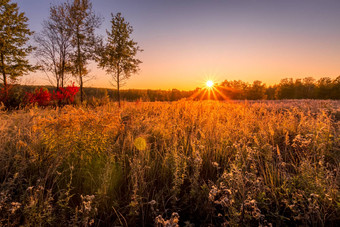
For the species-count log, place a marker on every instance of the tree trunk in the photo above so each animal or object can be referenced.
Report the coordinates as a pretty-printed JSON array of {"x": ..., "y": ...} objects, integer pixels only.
[
  {"x": 57, "y": 77},
  {"x": 81, "y": 90},
  {"x": 62, "y": 72},
  {"x": 118, "y": 76},
  {"x": 5, "y": 79},
  {"x": 3, "y": 70},
  {"x": 80, "y": 68},
  {"x": 118, "y": 91},
  {"x": 4, "y": 76}
]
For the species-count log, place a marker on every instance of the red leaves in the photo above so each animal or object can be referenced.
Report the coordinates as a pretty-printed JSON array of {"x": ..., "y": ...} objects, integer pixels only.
[
  {"x": 44, "y": 98},
  {"x": 3, "y": 94},
  {"x": 40, "y": 96},
  {"x": 66, "y": 95}
]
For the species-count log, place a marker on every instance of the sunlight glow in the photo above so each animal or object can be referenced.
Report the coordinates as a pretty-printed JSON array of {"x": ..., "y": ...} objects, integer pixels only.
[{"x": 210, "y": 83}]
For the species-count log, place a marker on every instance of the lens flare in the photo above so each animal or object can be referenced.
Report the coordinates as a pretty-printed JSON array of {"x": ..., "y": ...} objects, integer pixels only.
[{"x": 140, "y": 143}]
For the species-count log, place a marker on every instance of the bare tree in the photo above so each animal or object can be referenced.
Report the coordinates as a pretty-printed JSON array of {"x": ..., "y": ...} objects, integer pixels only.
[
  {"x": 82, "y": 22},
  {"x": 54, "y": 45}
]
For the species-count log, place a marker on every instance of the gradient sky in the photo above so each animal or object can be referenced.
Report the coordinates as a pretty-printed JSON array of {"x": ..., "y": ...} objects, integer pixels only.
[{"x": 186, "y": 42}]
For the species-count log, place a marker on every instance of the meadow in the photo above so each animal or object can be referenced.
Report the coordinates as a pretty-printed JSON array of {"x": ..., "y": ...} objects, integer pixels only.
[{"x": 186, "y": 163}]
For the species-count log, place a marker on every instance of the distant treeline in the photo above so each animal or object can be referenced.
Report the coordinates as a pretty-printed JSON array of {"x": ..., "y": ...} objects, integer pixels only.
[
  {"x": 289, "y": 88},
  {"x": 307, "y": 88},
  {"x": 137, "y": 94}
]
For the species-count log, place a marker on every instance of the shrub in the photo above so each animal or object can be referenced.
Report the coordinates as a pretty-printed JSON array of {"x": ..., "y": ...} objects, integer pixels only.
[
  {"x": 13, "y": 97},
  {"x": 66, "y": 95},
  {"x": 44, "y": 98},
  {"x": 40, "y": 96}
]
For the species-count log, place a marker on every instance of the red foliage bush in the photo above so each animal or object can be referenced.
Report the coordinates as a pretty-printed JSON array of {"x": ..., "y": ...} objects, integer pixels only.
[
  {"x": 44, "y": 98},
  {"x": 3, "y": 94},
  {"x": 66, "y": 95},
  {"x": 40, "y": 96}
]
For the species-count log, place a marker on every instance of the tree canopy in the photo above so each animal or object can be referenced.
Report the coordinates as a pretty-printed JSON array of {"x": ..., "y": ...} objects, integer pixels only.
[
  {"x": 14, "y": 35},
  {"x": 82, "y": 21},
  {"x": 118, "y": 56}
]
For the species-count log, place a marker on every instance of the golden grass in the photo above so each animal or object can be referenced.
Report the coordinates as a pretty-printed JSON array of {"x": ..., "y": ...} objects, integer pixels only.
[{"x": 207, "y": 163}]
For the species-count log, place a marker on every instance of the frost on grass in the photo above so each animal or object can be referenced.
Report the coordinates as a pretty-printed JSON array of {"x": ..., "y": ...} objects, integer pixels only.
[{"x": 169, "y": 164}]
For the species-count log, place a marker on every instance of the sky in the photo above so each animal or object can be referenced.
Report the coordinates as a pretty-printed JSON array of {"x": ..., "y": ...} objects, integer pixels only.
[{"x": 187, "y": 42}]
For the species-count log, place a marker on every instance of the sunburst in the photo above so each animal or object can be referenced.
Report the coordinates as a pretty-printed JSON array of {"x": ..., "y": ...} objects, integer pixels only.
[
  {"x": 211, "y": 91},
  {"x": 209, "y": 83}
]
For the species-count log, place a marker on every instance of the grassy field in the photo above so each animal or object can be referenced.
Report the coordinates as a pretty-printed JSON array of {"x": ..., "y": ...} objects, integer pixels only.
[{"x": 188, "y": 163}]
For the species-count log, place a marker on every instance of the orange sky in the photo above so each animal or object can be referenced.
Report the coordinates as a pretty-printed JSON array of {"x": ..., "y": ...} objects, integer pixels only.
[{"x": 187, "y": 42}]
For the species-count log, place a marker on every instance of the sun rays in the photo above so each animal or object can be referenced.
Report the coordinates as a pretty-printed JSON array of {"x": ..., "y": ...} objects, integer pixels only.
[{"x": 211, "y": 91}]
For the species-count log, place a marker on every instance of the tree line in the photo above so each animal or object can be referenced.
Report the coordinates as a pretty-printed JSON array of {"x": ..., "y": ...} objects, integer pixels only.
[
  {"x": 288, "y": 88},
  {"x": 65, "y": 45}
]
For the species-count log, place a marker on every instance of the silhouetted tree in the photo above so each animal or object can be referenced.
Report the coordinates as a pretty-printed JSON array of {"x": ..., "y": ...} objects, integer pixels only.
[
  {"x": 309, "y": 91},
  {"x": 235, "y": 89},
  {"x": 118, "y": 56},
  {"x": 175, "y": 95},
  {"x": 335, "y": 93},
  {"x": 256, "y": 91},
  {"x": 82, "y": 22},
  {"x": 298, "y": 89},
  {"x": 270, "y": 92},
  {"x": 324, "y": 88},
  {"x": 286, "y": 89},
  {"x": 14, "y": 35},
  {"x": 54, "y": 45}
]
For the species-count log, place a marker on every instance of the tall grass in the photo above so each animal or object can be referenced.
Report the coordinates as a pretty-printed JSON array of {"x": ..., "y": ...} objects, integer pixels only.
[{"x": 203, "y": 163}]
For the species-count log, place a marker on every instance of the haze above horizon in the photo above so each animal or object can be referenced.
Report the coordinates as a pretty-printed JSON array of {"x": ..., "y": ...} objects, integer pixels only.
[{"x": 188, "y": 42}]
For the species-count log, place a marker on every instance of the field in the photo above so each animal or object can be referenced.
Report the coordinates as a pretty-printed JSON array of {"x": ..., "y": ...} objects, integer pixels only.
[{"x": 204, "y": 163}]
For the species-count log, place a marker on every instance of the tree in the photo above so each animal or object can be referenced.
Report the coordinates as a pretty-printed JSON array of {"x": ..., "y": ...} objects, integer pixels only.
[
  {"x": 118, "y": 56},
  {"x": 336, "y": 88},
  {"x": 270, "y": 92},
  {"x": 82, "y": 22},
  {"x": 309, "y": 88},
  {"x": 324, "y": 87},
  {"x": 286, "y": 89},
  {"x": 14, "y": 35},
  {"x": 299, "y": 92},
  {"x": 256, "y": 91},
  {"x": 235, "y": 89},
  {"x": 54, "y": 45}
]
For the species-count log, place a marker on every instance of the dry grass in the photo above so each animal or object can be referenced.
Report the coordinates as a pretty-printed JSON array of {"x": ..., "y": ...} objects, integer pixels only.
[{"x": 203, "y": 163}]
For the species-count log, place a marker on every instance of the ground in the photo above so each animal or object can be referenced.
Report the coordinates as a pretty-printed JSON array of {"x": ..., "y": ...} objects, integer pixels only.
[{"x": 186, "y": 162}]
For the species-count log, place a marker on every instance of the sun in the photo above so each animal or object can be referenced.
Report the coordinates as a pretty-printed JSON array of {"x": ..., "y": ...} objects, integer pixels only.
[{"x": 209, "y": 84}]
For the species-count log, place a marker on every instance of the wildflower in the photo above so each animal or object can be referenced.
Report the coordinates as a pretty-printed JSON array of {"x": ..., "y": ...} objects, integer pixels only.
[
  {"x": 152, "y": 202},
  {"x": 174, "y": 218},
  {"x": 215, "y": 164},
  {"x": 15, "y": 207},
  {"x": 159, "y": 221},
  {"x": 213, "y": 192},
  {"x": 314, "y": 195},
  {"x": 29, "y": 188}
]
